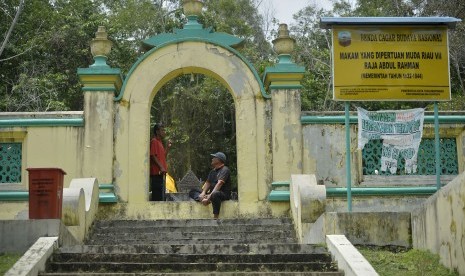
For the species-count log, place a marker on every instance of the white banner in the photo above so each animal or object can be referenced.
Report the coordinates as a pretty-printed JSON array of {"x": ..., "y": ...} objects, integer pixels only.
[{"x": 400, "y": 130}]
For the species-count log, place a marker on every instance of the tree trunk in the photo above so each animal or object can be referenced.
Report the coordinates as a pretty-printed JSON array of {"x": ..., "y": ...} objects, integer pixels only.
[{"x": 13, "y": 24}]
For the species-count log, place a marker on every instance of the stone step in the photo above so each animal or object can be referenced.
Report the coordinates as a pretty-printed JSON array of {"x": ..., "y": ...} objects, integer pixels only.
[
  {"x": 195, "y": 240},
  {"x": 252, "y": 248},
  {"x": 248, "y": 273},
  {"x": 192, "y": 247},
  {"x": 175, "y": 235},
  {"x": 191, "y": 258},
  {"x": 198, "y": 228},
  {"x": 190, "y": 231},
  {"x": 189, "y": 222},
  {"x": 191, "y": 267}
]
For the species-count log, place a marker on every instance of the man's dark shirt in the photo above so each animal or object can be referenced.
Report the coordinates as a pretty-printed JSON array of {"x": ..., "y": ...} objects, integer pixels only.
[{"x": 222, "y": 173}]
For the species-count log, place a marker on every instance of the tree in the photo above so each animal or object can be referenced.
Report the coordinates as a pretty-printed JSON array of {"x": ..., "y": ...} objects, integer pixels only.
[
  {"x": 313, "y": 46},
  {"x": 242, "y": 19},
  {"x": 383, "y": 8},
  {"x": 12, "y": 26},
  {"x": 128, "y": 31},
  {"x": 453, "y": 8},
  {"x": 47, "y": 46}
]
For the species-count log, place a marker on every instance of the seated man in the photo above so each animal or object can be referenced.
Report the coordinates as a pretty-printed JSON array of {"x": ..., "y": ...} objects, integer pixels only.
[{"x": 218, "y": 182}]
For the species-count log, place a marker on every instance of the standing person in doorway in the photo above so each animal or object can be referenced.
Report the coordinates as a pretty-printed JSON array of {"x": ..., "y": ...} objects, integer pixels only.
[
  {"x": 217, "y": 188},
  {"x": 158, "y": 166}
]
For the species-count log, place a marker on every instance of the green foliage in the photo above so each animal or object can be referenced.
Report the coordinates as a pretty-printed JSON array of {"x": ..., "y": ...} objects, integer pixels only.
[
  {"x": 313, "y": 46},
  {"x": 128, "y": 31},
  {"x": 7, "y": 261},
  {"x": 48, "y": 44},
  {"x": 242, "y": 19},
  {"x": 383, "y": 8},
  {"x": 457, "y": 103},
  {"x": 408, "y": 263}
]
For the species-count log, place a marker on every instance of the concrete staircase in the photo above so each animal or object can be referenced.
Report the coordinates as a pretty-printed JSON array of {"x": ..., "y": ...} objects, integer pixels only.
[{"x": 192, "y": 247}]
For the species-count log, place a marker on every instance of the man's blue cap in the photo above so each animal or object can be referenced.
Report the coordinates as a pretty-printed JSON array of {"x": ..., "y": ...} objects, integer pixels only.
[{"x": 220, "y": 156}]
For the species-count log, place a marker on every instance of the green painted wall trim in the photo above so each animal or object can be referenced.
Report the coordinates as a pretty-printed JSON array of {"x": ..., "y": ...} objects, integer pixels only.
[
  {"x": 194, "y": 39},
  {"x": 281, "y": 184},
  {"x": 284, "y": 195},
  {"x": 429, "y": 119},
  {"x": 100, "y": 71},
  {"x": 284, "y": 67},
  {"x": 14, "y": 195},
  {"x": 106, "y": 186},
  {"x": 279, "y": 196},
  {"x": 100, "y": 67},
  {"x": 73, "y": 122},
  {"x": 24, "y": 196},
  {"x": 107, "y": 198},
  {"x": 327, "y": 120},
  {"x": 98, "y": 89},
  {"x": 381, "y": 191}
]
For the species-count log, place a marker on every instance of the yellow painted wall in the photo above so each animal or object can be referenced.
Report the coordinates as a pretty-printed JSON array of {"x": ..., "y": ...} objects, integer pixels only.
[
  {"x": 48, "y": 147},
  {"x": 287, "y": 134},
  {"x": 324, "y": 151},
  {"x": 10, "y": 210},
  {"x": 98, "y": 141},
  {"x": 43, "y": 147},
  {"x": 439, "y": 224}
]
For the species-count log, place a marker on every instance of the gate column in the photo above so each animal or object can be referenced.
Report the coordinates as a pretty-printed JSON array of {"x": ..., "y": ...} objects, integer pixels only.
[
  {"x": 100, "y": 83},
  {"x": 283, "y": 82}
]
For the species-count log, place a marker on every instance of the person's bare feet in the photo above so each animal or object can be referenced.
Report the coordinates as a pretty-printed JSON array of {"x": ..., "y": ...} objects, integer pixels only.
[{"x": 215, "y": 216}]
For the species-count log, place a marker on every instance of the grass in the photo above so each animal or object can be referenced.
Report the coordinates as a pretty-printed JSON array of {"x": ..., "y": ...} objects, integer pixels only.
[
  {"x": 404, "y": 262},
  {"x": 7, "y": 261}
]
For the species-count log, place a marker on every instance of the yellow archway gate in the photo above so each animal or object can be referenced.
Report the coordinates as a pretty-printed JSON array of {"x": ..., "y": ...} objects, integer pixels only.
[
  {"x": 166, "y": 63},
  {"x": 261, "y": 132}
]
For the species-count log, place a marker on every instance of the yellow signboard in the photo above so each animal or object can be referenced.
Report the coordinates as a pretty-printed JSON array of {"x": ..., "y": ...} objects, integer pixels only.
[{"x": 376, "y": 63}]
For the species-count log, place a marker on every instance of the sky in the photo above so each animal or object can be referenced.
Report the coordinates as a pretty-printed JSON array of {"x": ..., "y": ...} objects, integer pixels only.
[{"x": 284, "y": 9}]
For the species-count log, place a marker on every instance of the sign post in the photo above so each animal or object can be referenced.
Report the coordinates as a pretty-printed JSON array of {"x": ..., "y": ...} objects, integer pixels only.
[
  {"x": 390, "y": 59},
  {"x": 436, "y": 147},
  {"x": 408, "y": 63},
  {"x": 348, "y": 167}
]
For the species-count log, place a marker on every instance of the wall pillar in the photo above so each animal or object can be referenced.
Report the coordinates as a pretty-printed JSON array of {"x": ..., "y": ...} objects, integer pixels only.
[
  {"x": 283, "y": 80},
  {"x": 100, "y": 84}
]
